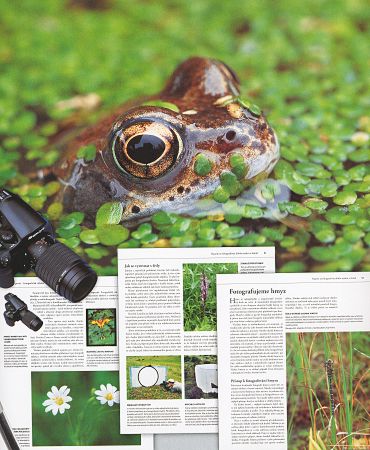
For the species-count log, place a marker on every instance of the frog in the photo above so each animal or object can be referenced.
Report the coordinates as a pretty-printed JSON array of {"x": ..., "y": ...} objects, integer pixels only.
[{"x": 148, "y": 153}]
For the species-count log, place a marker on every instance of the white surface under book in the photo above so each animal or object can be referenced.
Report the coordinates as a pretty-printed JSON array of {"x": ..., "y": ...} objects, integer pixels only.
[
  {"x": 167, "y": 340},
  {"x": 258, "y": 316},
  {"x": 59, "y": 386}
]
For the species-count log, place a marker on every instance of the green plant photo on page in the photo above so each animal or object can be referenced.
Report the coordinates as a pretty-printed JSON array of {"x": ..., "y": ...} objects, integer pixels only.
[{"x": 101, "y": 327}]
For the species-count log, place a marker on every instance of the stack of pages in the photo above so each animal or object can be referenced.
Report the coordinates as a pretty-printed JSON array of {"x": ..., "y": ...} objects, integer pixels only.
[{"x": 189, "y": 341}]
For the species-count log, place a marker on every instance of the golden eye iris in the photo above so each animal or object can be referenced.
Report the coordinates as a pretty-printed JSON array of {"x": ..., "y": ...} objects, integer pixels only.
[{"x": 146, "y": 149}]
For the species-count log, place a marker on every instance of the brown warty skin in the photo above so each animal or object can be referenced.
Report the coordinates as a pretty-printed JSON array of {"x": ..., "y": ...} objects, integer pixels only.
[{"x": 145, "y": 154}]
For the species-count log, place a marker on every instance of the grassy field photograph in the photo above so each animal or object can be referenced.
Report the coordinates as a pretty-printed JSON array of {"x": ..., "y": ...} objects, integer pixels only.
[
  {"x": 192, "y": 390},
  {"x": 72, "y": 409},
  {"x": 158, "y": 392},
  {"x": 199, "y": 294},
  {"x": 328, "y": 390},
  {"x": 101, "y": 327}
]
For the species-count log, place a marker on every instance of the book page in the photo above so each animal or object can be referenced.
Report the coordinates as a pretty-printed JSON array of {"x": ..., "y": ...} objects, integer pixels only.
[
  {"x": 168, "y": 350},
  {"x": 60, "y": 385},
  {"x": 292, "y": 349}
]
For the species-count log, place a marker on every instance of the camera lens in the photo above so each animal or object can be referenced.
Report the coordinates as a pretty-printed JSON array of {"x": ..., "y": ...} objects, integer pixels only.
[
  {"x": 6, "y": 277},
  {"x": 31, "y": 320},
  {"x": 65, "y": 272}
]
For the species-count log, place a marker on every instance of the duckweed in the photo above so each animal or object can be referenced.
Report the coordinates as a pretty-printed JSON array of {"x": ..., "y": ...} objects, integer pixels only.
[
  {"x": 229, "y": 181},
  {"x": 316, "y": 204},
  {"x": 202, "y": 165},
  {"x": 295, "y": 208},
  {"x": 312, "y": 89},
  {"x": 109, "y": 214},
  {"x": 89, "y": 236},
  {"x": 162, "y": 104},
  {"x": 221, "y": 195},
  {"x": 293, "y": 266},
  {"x": 345, "y": 198},
  {"x": 112, "y": 234},
  {"x": 143, "y": 230},
  {"x": 252, "y": 212},
  {"x": 238, "y": 165},
  {"x": 88, "y": 153}
]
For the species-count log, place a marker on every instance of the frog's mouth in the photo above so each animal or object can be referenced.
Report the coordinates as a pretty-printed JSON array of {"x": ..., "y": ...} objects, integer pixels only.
[{"x": 265, "y": 161}]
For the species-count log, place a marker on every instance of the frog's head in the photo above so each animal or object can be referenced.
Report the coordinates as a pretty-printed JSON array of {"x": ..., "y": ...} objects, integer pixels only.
[{"x": 177, "y": 147}]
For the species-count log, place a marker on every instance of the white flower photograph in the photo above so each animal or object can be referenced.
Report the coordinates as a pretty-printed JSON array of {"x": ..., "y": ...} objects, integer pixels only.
[{"x": 70, "y": 408}]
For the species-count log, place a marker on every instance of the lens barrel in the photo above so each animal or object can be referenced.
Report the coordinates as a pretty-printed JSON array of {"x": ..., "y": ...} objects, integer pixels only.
[
  {"x": 30, "y": 319},
  {"x": 65, "y": 272},
  {"x": 6, "y": 277}
]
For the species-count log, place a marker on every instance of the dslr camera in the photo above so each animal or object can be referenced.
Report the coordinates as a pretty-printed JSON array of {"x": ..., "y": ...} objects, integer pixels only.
[
  {"x": 16, "y": 309},
  {"x": 27, "y": 242}
]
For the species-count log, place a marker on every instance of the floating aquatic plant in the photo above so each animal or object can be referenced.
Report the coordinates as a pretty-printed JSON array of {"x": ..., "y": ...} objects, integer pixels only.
[{"x": 314, "y": 97}]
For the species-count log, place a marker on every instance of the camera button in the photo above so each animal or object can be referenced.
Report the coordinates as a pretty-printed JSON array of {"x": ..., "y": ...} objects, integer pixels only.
[{"x": 7, "y": 236}]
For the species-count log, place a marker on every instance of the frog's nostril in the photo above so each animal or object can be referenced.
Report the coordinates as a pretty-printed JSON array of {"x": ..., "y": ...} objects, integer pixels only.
[{"x": 230, "y": 135}]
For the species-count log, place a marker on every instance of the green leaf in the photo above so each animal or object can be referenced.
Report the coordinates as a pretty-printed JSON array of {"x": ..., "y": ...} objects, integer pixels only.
[
  {"x": 112, "y": 234},
  {"x": 253, "y": 212},
  {"x": 131, "y": 243},
  {"x": 253, "y": 108},
  {"x": 52, "y": 188},
  {"x": 294, "y": 208},
  {"x": 89, "y": 236},
  {"x": 162, "y": 104},
  {"x": 55, "y": 210},
  {"x": 316, "y": 204},
  {"x": 143, "y": 230},
  {"x": 96, "y": 252},
  {"x": 293, "y": 266},
  {"x": 163, "y": 218},
  {"x": 238, "y": 165},
  {"x": 230, "y": 183},
  {"x": 202, "y": 165},
  {"x": 345, "y": 198},
  {"x": 232, "y": 233},
  {"x": 69, "y": 232},
  {"x": 78, "y": 217},
  {"x": 88, "y": 153},
  {"x": 221, "y": 195},
  {"x": 149, "y": 239},
  {"x": 49, "y": 158},
  {"x": 109, "y": 214},
  {"x": 206, "y": 233}
]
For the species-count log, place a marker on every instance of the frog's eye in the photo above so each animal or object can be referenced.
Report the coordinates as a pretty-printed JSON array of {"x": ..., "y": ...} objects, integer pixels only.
[{"x": 146, "y": 149}]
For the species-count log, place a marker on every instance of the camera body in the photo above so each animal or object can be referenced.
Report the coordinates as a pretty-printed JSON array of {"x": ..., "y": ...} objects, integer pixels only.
[
  {"x": 20, "y": 229},
  {"x": 28, "y": 242},
  {"x": 16, "y": 309}
]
